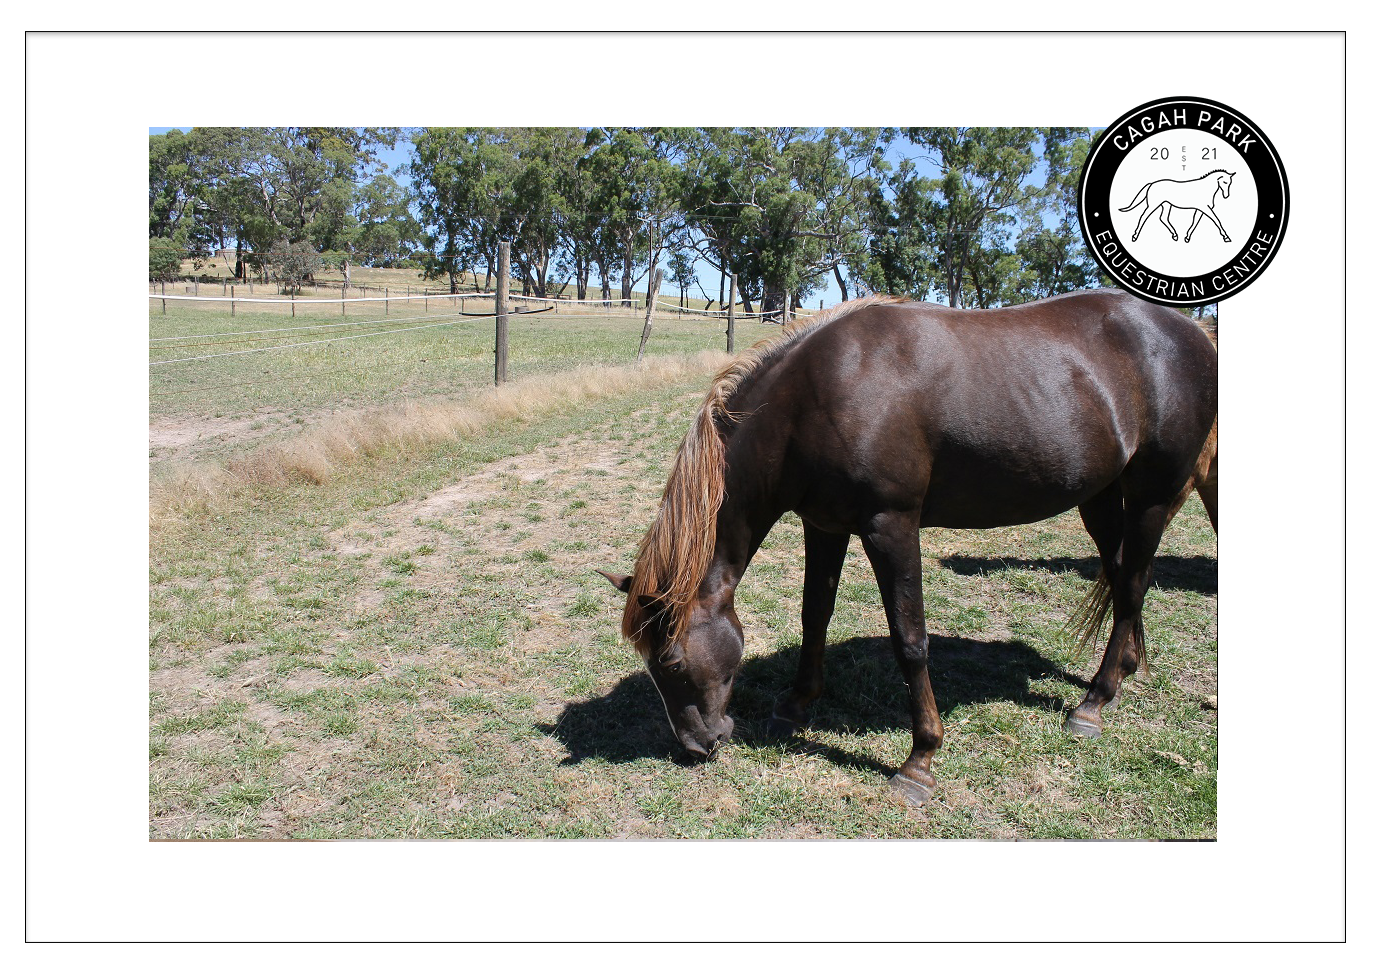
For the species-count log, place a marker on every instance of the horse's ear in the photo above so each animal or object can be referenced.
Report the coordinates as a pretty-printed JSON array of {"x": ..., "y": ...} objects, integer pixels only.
[{"x": 621, "y": 582}]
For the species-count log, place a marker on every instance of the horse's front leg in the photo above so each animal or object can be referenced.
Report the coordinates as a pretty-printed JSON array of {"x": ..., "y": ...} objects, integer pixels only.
[
  {"x": 825, "y": 558},
  {"x": 1217, "y": 223},
  {"x": 1195, "y": 220},
  {"x": 892, "y": 542}
]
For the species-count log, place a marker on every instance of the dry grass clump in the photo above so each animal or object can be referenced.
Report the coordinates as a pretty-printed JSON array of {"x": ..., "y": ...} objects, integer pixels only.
[{"x": 340, "y": 440}]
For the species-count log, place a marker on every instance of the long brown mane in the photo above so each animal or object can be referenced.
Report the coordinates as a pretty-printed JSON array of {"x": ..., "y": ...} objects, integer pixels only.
[{"x": 676, "y": 551}]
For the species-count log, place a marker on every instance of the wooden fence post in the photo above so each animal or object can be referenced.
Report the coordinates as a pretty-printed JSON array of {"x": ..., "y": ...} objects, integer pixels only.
[
  {"x": 653, "y": 286},
  {"x": 293, "y": 303},
  {"x": 386, "y": 300},
  {"x": 501, "y": 318},
  {"x": 232, "y": 301},
  {"x": 733, "y": 295}
]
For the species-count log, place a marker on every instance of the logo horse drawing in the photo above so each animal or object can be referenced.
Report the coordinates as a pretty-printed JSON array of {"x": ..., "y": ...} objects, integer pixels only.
[{"x": 1197, "y": 196}]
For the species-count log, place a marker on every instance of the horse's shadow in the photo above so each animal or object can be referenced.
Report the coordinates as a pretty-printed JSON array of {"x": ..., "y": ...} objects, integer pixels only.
[
  {"x": 864, "y": 693},
  {"x": 1199, "y": 574}
]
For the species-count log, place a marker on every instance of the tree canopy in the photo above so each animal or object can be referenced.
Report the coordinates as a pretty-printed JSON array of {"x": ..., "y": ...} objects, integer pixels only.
[{"x": 966, "y": 216}]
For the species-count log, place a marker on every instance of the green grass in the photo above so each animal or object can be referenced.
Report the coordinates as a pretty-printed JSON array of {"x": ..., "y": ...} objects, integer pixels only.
[
  {"x": 357, "y": 660},
  {"x": 276, "y": 388}
]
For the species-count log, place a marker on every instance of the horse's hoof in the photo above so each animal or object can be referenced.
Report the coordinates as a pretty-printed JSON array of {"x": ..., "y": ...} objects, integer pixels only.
[
  {"x": 913, "y": 793},
  {"x": 1082, "y": 727},
  {"x": 779, "y": 728}
]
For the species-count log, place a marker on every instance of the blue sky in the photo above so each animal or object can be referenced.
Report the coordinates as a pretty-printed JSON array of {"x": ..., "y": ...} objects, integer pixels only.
[{"x": 400, "y": 154}]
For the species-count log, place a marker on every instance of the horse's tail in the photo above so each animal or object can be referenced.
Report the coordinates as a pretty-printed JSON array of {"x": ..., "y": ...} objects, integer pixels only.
[
  {"x": 1087, "y": 623},
  {"x": 1141, "y": 197}
]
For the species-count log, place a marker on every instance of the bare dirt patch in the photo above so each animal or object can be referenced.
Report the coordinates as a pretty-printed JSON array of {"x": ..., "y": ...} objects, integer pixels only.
[
  {"x": 176, "y": 438},
  {"x": 515, "y": 524}
]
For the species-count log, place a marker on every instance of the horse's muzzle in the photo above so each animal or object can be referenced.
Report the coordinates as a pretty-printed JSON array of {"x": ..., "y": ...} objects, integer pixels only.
[{"x": 705, "y": 745}]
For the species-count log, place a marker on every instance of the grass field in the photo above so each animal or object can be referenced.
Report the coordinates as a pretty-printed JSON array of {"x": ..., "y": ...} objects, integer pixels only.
[{"x": 417, "y": 645}]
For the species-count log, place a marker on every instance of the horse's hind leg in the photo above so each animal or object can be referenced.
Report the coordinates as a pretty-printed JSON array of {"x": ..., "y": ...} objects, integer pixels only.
[
  {"x": 825, "y": 557},
  {"x": 1163, "y": 213},
  {"x": 1208, "y": 488},
  {"x": 1143, "y": 220},
  {"x": 893, "y": 545},
  {"x": 1143, "y": 526},
  {"x": 1103, "y": 518},
  {"x": 1207, "y": 476}
]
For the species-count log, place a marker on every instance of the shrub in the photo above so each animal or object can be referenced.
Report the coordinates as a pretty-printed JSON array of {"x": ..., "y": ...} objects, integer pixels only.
[{"x": 165, "y": 260}]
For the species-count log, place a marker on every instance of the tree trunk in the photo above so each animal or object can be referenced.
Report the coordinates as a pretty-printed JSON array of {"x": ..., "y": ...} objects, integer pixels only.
[
  {"x": 844, "y": 289},
  {"x": 626, "y": 283},
  {"x": 774, "y": 300}
]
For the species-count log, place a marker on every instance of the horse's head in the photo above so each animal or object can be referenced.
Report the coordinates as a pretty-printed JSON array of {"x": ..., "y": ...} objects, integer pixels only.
[
  {"x": 693, "y": 672},
  {"x": 1224, "y": 181}
]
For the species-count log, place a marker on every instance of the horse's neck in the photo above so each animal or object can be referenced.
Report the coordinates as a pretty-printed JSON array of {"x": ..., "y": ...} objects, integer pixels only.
[{"x": 750, "y": 507}]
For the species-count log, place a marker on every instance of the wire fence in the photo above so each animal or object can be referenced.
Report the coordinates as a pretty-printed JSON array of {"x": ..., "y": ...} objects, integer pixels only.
[
  {"x": 389, "y": 297},
  {"x": 205, "y": 361}
]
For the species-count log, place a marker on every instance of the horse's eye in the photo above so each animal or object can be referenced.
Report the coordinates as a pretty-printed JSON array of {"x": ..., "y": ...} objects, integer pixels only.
[{"x": 674, "y": 667}]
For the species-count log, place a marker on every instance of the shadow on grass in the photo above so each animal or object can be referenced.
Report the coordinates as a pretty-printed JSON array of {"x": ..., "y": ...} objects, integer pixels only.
[
  {"x": 864, "y": 693},
  {"x": 1199, "y": 574}
]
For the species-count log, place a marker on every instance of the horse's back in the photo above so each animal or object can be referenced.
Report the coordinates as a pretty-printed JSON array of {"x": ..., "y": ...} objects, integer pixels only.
[{"x": 991, "y": 417}]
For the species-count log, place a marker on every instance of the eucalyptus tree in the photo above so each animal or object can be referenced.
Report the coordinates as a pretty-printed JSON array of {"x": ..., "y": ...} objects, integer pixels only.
[
  {"x": 636, "y": 203},
  {"x": 261, "y": 185},
  {"x": 963, "y": 215},
  {"x": 783, "y": 208},
  {"x": 901, "y": 256},
  {"x": 462, "y": 179},
  {"x": 732, "y": 199},
  {"x": 536, "y": 215},
  {"x": 384, "y": 229},
  {"x": 578, "y": 189},
  {"x": 838, "y": 172},
  {"x": 1051, "y": 248},
  {"x": 173, "y": 185},
  {"x": 378, "y": 229}
]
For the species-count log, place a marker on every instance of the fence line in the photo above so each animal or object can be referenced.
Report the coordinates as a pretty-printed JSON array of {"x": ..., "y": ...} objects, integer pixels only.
[
  {"x": 399, "y": 320},
  {"x": 609, "y": 303},
  {"x": 177, "y": 344},
  {"x": 298, "y": 345},
  {"x": 286, "y": 301},
  {"x": 719, "y": 313}
]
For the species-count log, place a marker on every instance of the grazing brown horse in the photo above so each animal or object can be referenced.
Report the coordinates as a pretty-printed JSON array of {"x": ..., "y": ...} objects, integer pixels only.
[{"x": 880, "y": 417}]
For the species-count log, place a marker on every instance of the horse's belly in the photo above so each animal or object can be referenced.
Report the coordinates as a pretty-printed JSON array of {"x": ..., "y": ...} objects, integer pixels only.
[
  {"x": 976, "y": 491},
  {"x": 965, "y": 511}
]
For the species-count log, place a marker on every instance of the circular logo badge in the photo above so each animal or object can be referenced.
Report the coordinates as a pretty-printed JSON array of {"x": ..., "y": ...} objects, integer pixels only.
[{"x": 1183, "y": 201}]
